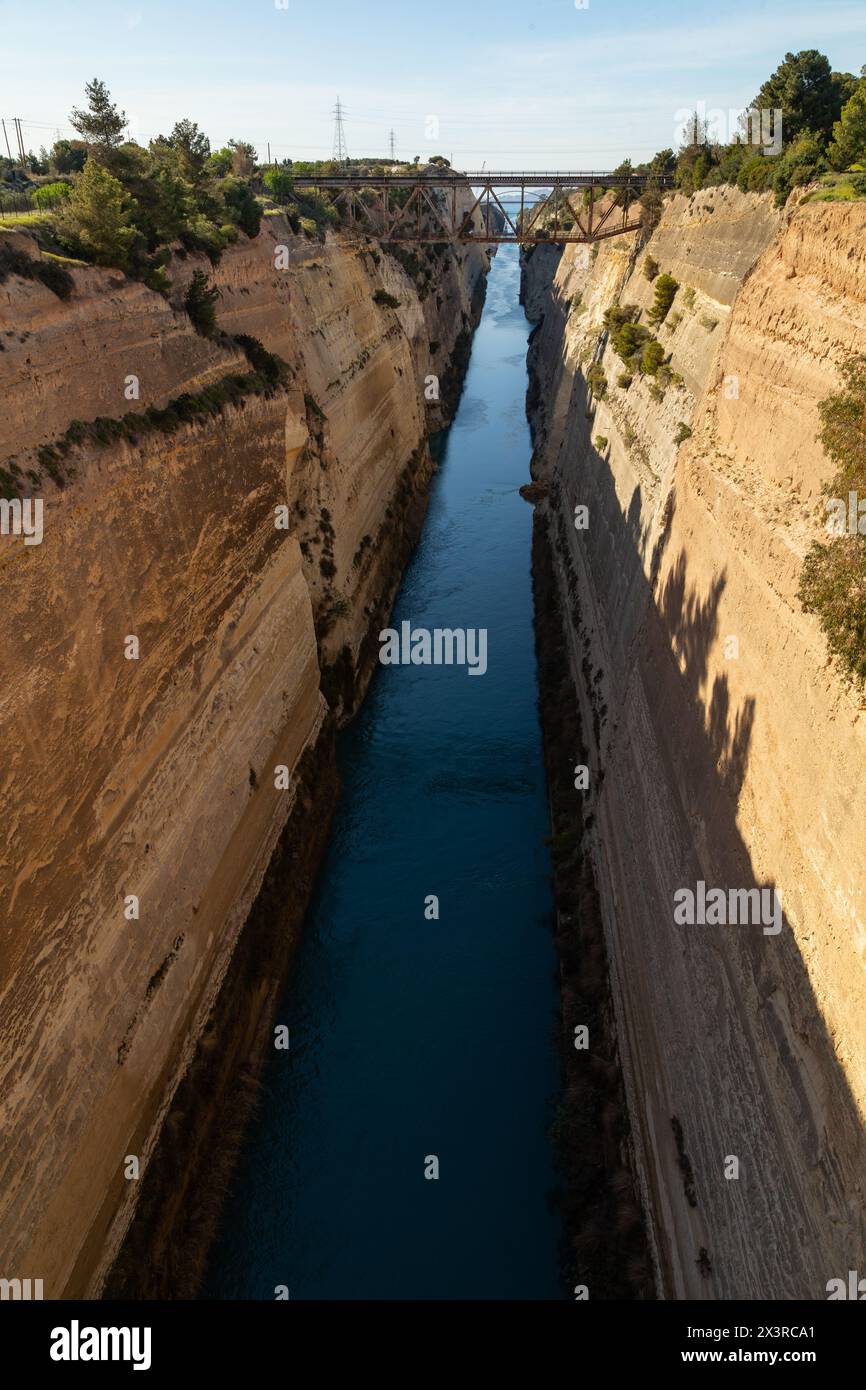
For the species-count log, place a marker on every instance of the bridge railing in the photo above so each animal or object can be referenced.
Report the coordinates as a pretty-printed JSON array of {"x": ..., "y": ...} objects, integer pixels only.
[{"x": 534, "y": 178}]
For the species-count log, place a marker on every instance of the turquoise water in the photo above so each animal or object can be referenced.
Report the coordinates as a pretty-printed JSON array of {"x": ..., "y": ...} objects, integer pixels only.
[{"x": 410, "y": 1037}]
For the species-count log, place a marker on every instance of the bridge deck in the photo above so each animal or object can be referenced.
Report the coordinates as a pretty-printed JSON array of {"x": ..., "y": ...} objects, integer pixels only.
[
  {"x": 433, "y": 198},
  {"x": 488, "y": 178}
]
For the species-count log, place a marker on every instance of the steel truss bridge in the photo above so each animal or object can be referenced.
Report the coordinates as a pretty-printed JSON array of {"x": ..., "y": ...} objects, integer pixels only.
[{"x": 387, "y": 213}]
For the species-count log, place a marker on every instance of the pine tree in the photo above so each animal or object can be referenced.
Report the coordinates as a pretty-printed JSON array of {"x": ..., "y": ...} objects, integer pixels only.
[
  {"x": 101, "y": 124},
  {"x": 98, "y": 216}
]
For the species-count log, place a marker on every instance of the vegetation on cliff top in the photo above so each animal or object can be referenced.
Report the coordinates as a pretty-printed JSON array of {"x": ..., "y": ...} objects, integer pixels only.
[
  {"x": 119, "y": 203},
  {"x": 823, "y": 135}
]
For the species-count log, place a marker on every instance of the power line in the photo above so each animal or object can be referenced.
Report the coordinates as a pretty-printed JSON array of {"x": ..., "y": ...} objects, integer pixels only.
[{"x": 341, "y": 153}]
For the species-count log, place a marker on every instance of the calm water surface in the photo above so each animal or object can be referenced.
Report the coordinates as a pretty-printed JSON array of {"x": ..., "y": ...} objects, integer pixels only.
[{"x": 410, "y": 1037}]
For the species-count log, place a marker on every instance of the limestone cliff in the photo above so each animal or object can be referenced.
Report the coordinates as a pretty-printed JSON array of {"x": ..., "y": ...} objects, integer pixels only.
[
  {"x": 724, "y": 747},
  {"x": 250, "y": 546}
]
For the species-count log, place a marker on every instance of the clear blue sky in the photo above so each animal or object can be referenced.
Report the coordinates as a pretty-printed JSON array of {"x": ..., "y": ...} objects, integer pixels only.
[{"x": 520, "y": 83}]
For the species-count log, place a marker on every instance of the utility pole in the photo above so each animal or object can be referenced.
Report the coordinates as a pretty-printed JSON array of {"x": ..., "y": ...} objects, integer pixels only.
[
  {"x": 269, "y": 153},
  {"x": 341, "y": 154},
  {"x": 20, "y": 141},
  {"x": 393, "y": 151},
  {"x": 6, "y": 138}
]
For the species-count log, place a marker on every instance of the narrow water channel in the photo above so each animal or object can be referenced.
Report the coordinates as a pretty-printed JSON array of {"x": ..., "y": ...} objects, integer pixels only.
[{"x": 412, "y": 1037}]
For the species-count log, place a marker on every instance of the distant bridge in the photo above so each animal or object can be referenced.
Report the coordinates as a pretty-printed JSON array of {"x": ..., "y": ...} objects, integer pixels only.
[{"x": 403, "y": 218}]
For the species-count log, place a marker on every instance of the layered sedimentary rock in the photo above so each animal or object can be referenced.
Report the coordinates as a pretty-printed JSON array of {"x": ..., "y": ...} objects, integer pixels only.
[
  {"x": 198, "y": 614},
  {"x": 725, "y": 747}
]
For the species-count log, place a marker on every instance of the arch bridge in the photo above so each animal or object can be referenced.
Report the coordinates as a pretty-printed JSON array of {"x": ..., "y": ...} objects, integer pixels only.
[{"x": 401, "y": 206}]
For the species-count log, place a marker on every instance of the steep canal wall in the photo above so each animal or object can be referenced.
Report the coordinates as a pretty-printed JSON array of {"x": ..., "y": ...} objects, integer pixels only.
[
  {"x": 200, "y": 613},
  {"x": 721, "y": 746}
]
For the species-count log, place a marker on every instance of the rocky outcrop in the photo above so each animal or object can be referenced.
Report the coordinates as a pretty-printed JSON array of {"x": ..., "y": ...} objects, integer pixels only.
[
  {"x": 200, "y": 612},
  {"x": 723, "y": 746}
]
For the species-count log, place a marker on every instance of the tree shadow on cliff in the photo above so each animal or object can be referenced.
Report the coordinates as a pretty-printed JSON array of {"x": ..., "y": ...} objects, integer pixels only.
[{"x": 758, "y": 1077}]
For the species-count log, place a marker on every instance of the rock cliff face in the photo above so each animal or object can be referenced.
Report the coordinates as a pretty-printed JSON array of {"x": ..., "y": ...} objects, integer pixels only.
[
  {"x": 250, "y": 553},
  {"x": 724, "y": 747}
]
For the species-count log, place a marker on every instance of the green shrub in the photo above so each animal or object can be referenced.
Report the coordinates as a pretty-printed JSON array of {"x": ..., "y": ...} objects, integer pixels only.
[
  {"x": 650, "y": 268},
  {"x": 843, "y": 424},
  {"x": 279, "y": 184},
  {"x": 50, "y": 194},
  {"x": 683, "y": 432},
  {"x": 756, "y": 174},
  {"x": 201, "y": 234},
  {"x": 157, "y": 279},
  {"x": 265, "y": 363},
  {"x": 653, "y": 357},
  {"x": 800, "y": 163},
  {"x": 596, "y": 380},
  {"x": 833, "y": 579},
  {"x": 665, "y": 290},
  {"x": 689, "y": 296},
  {"x": 833, "y": 585},
  {"x": 708, "y": 322},
  {"x": 241, "y": 205},
  {"x": 626, "y": 336},
  {"x": 386, "y": 299},
  {"x": 600, "y": 442},
  {"x": 624, "y": 380}
]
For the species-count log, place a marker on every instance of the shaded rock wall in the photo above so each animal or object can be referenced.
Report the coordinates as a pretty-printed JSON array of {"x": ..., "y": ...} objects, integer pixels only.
[{"x": 725, "y": 748}]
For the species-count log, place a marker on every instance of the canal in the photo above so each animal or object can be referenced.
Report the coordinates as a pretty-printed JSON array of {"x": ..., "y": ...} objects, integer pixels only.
[{"x": 415, "y": 1037}]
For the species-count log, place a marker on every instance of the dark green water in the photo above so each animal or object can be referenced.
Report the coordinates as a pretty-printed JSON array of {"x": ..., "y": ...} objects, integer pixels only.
[{"x": 411, "y": 1037}]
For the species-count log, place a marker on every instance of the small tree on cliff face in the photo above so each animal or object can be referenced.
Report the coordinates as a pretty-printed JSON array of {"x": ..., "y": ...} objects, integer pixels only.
[
  {"x": 665, "y": 291},
  {"x": 200, "y": 304},
  {"x": 98, "y": 217},
  {"x": 101, "y": 124}
]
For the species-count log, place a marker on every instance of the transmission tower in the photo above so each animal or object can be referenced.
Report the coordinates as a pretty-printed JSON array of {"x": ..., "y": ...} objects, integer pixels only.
[
  {"x": 341, "y": 154},
  {"x": 393, "y": 150}
]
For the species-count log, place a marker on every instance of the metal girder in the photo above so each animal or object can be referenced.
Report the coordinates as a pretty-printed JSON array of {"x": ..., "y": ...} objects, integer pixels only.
[{"x": 458, "y": 225}]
